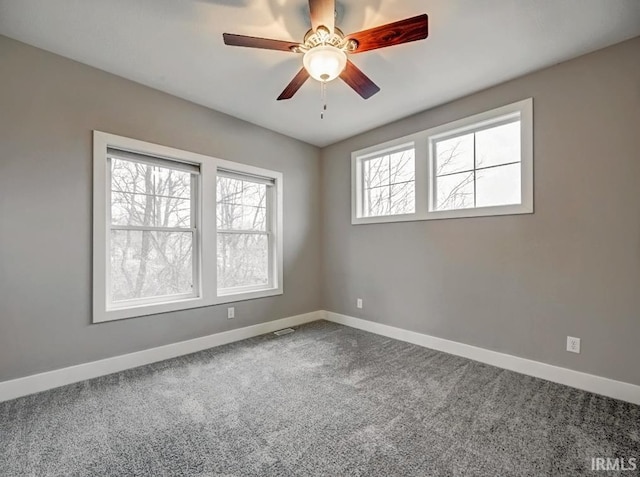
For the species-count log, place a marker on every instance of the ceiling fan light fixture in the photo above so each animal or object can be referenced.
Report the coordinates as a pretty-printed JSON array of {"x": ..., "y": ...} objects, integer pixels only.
[
  {"x": 325, "y": 48},
  {"x": 324, "y": 63}
]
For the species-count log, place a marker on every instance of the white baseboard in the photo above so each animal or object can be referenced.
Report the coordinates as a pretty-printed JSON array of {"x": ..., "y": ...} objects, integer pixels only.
[
  {"x": 60, "y": 377},
  {"x": 41, "y": 382},
  {"x": 576, "y": 379}
]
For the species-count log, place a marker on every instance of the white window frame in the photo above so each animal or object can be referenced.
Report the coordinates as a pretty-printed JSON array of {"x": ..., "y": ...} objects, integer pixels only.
[
  {"x": 205, "y": 245},
  {"x": 425, "y": 164}
]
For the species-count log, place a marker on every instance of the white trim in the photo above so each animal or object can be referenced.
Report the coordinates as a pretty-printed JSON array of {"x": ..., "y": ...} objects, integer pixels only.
[
  {"x": 60, "y": 377},
  {"x": 52, "y": 379},
  {"x": 576, "y": 379},
  {"x": 424, "y": 165}
]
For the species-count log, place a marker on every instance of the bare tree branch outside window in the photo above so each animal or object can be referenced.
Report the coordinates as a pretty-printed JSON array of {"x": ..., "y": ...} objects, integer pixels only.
[
  {"x": 150, "y": 255},
  {"x": 389, "y": 184},
  {"x": 243, "y": 233},
  {"x": 479, "y": 169}
]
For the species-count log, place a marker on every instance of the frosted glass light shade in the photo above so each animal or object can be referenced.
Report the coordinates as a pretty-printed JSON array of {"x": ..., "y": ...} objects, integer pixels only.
[{"x": 325, "y": 63}]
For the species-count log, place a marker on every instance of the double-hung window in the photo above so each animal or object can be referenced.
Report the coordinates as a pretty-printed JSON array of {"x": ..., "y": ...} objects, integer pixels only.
[
  {"x": 476, "y": 166},
  {"x": 152, "y": 229},
  {"x": 175, "y": 230},
  {"x": 245, "y": 232}
]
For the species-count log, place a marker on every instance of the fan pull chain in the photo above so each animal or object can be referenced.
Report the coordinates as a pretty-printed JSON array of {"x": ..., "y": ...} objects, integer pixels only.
[{"x": 323, "y": 96}]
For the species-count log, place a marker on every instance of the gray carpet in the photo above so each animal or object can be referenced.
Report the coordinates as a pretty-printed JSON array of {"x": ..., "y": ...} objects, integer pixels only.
[{"x": 326, "y": 400}]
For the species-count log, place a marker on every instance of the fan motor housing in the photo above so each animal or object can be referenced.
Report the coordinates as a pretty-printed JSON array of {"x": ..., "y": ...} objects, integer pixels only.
[{"x": 322, "y": 37}]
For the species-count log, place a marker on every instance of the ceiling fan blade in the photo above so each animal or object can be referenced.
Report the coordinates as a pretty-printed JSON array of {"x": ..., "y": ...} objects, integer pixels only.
[
  {"x": 295, "y": 85},
  {"x": 323, "y": 12},
  {"x": 359, "y": 81},
  {"x": 403, "y": 31},
  {"x": 254, "y": 42}
]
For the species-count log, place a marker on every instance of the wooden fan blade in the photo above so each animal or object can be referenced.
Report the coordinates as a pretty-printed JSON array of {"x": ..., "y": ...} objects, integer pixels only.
[
  {"x": 323, "y": 13},
  {"x": 295, "y": 85},
  {"x": 359, "y": 81},
  {"x": 403, "y": 31},
  {"x": 254, "y": 42}
]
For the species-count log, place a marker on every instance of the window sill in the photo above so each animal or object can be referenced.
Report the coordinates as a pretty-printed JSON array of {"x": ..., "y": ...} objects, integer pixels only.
[
  {"x": 241, "y": 295},
  {"x": 514, "y": 209},
  {"x": 114, "y": 314},
  {"x": 382, "y": 219},
  {"x": 494, "y": 211},
  {"x": 148, "y": 309}
]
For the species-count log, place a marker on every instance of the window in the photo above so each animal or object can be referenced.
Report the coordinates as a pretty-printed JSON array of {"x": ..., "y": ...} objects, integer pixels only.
[
  {"x": 245, "y": 232},
  {"x": 152, "y": 229},
  {"x": 175, "y": 230},
  {"x": 388, "y": 183},
  {"x": 477, "y": 166}
]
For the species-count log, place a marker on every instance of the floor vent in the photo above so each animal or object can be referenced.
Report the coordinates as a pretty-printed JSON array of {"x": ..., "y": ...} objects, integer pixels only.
[{"x": 286, "y": 331}]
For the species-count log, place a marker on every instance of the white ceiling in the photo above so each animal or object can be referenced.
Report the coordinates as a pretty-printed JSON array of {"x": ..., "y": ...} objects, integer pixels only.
[{"x": 176, "y": 46}]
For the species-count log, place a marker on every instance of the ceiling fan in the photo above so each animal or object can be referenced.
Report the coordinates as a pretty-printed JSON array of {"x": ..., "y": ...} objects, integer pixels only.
[{"x": 326, "y": 48}]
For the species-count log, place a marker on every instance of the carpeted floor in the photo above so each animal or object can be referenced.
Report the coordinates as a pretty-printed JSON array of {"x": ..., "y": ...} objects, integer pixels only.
[{"x": 326, "y": 400}]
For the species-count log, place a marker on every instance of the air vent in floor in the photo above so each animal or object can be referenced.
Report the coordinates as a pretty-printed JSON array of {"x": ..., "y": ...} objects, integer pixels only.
[{"x": 286, "y": 331}]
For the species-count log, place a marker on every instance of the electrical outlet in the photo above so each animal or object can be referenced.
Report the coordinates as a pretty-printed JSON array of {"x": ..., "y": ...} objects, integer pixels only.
[
  {"x": 573, "y": 344},
  {"x": 359, "y": 303},
  {"x": 231, "y": 313}
]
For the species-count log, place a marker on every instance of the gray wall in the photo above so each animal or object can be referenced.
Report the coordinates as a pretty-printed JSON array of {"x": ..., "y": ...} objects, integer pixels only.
[
  {"x": 517, "y": 284},
  {"x": 48, "y": 107}
]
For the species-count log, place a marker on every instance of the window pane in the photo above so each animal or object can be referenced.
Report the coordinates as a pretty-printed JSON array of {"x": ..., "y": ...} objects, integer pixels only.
[
  {"x": 172, "y": 212},
  {"x": 144, "y": 195},
  {"x": 243, "y": 260},
  {"x": 454, "y": 155},
  {"x": 228, "y": 190},
  {"x": 241, "y": 205},
  {"x": 138, "y": 178},
  {"x": 254, "y": 194},
  {"x": 229, "y": 216},
  {"x": 455, "y": 191},
  {"x": 403, "y": 198},
  {"x": 254, "y": 218},
  {"x": 127, "y": 176},
  {"x": 172, "y": 183},
  {"x": 376, "y": 172},
  {"x": 499, "y": 145},
  {"x": 498, "y": 186},
  {"x": 147, "y": 210},
  {"x": 402, "y": 167},
  {"x": 388, "y": 186},
  {"x": 376, "y": 201},
  {"x": 150, "y": 264},
  {"x": 131, "y": 209}
]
